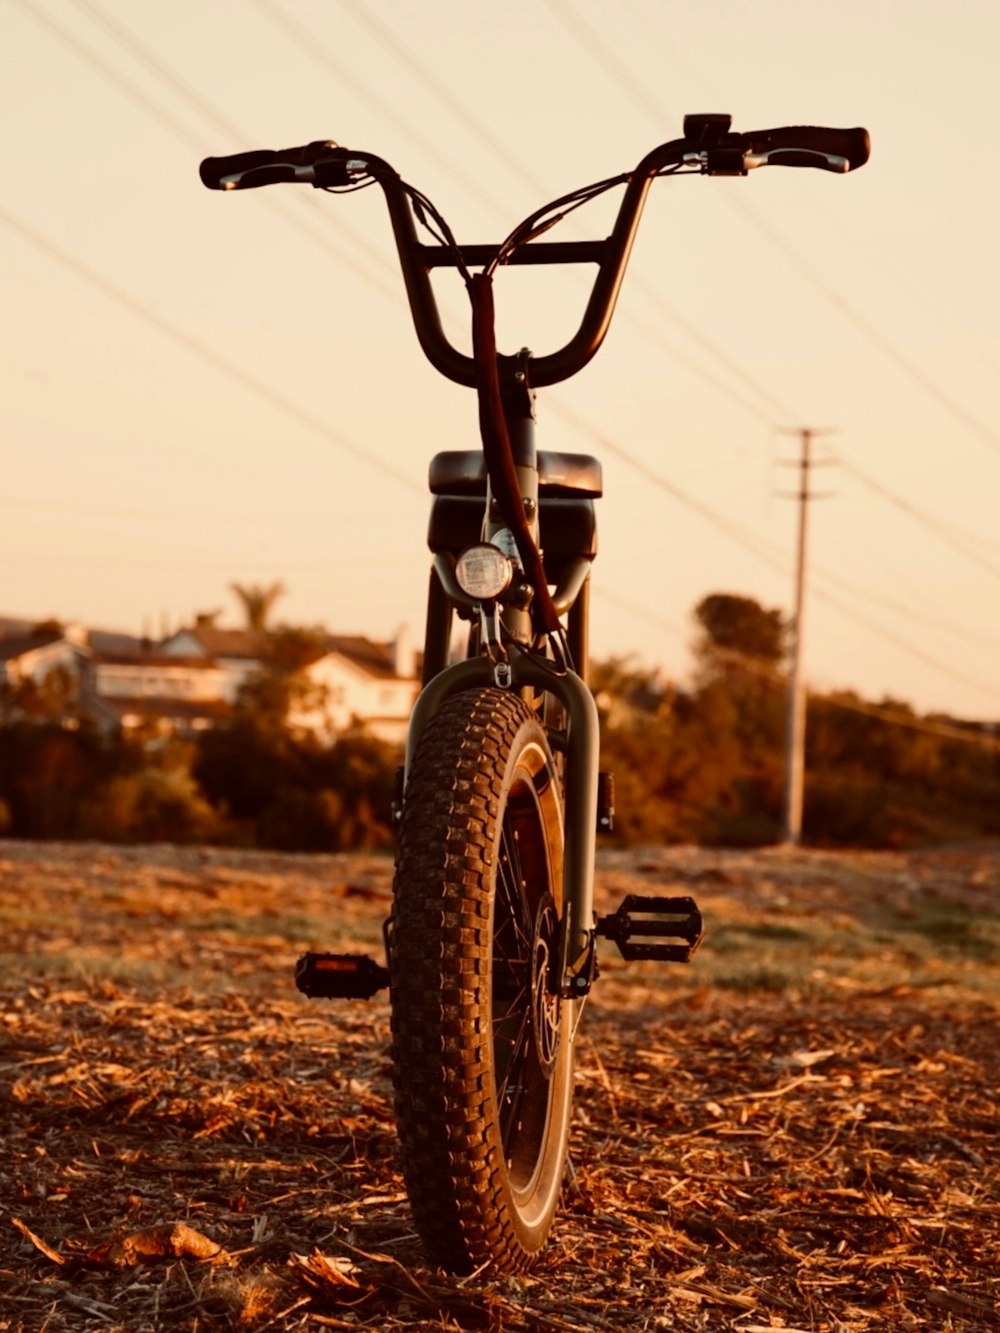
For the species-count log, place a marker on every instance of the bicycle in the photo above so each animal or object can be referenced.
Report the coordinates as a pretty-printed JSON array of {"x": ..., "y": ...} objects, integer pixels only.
[{"x": 491, "y": 941}]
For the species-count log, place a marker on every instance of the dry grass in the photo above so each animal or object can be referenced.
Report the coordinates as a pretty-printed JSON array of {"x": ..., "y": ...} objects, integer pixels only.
[{"x": 798, "y": 1131}]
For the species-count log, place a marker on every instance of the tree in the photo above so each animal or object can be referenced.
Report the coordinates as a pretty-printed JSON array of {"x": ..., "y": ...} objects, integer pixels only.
[
  {"x": 257, "y": 601},
  {"x": 734, "y": 625},
  {"x": 54, "y": 697},
  {"x": 46, "y": 774},
  {"x": 281, "y": 691}
]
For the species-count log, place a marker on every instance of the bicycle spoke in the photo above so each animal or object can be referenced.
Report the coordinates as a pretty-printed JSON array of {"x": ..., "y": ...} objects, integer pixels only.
[
  {"x": 518, "y": 1002},
  {"x": 510, "y": 881},
  {"x": 511, "y": 1088}
]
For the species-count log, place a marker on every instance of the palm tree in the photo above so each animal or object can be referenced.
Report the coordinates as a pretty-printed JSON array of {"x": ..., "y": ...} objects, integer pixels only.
[{"x": 257, "y": 601}]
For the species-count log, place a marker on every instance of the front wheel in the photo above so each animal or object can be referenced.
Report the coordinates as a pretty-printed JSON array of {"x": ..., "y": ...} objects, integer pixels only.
[{"x": 481, "y": 1041}]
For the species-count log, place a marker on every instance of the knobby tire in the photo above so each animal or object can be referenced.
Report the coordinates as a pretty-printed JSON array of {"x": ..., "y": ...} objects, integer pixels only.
[{"x": 481, "y": 1047}]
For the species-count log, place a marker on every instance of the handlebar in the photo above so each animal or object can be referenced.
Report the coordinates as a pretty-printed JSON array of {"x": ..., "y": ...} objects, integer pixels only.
[
  {"x": 708, "y": 147},
  {"x": 241, "y": 171}
]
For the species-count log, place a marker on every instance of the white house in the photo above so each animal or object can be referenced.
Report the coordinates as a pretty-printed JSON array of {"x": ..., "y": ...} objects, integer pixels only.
[
  {"x": 192, "y": 680},
  {"x": 31, "y": 653},
  {"x": 373, "y": 685},
  {"x": 360, "y": 682},
  {"x": 238, "y": 653},
  {"x": 156, "y": 693}
]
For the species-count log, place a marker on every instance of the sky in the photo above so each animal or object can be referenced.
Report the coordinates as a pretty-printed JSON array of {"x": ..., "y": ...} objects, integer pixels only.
[{"x": 199, "y": 388}]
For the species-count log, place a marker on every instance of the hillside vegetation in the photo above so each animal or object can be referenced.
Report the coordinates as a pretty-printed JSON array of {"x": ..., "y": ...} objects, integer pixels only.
[{"x": 702, "y": 764}]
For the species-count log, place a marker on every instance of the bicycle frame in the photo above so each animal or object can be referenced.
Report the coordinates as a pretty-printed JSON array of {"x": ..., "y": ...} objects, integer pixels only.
[{"x": 582, "y": 745}]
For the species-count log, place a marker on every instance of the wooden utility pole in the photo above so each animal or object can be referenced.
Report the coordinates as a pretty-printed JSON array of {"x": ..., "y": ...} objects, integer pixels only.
[{"x": 795, "y": 728}]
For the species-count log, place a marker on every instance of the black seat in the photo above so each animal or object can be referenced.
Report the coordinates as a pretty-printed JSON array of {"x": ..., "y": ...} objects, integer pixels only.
[{"x": 463, "y": 472}]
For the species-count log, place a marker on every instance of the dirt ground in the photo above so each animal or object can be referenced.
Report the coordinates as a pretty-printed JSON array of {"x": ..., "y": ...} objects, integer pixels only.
[{"x": 797, "y": 1131}]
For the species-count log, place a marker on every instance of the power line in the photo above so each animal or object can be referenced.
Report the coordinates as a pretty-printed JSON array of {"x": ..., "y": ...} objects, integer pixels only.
[
  {"x": 897, "y": 719},
  {"x": 384, "y": 35},
  {"x": 194, "y": 345},
  {"x": 733, "y": 531},
  {"x": 643, "y": 612},
  {"x": 909, "y": 611},
  {"x": 600, "y": 50},
  {"x": 308, "y": 41},
  {"x": 955, "y": 538},
  {"x": 175, "y": 127},
  {"x": 638, "y": 610},
  {"x": 875, "y": 336},
  {"x": 230, "y": 129},
  {"x": 759, "y": 549},
  {"x": 882, "y": 632},
  {"x": 247, "y": 381},
  {"x": 892, "y": 717},
  {"x": 602, "y": 53}
]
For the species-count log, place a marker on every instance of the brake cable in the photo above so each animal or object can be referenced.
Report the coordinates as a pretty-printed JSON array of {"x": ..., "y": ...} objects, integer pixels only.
[{"x": 496, "y": 448}]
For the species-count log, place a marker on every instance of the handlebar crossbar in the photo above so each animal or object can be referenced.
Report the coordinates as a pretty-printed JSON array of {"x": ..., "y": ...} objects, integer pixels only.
[
  {"x": 539, "y": 252},
  {"x": 610, "y": 255},
  {"x": 708, "y": 146}
]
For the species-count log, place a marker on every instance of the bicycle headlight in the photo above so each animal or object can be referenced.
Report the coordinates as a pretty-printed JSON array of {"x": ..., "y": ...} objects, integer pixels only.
[{"x": 483, "y": 571}]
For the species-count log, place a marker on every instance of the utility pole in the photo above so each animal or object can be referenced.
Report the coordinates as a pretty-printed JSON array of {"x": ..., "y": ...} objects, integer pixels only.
[{"x": 795, "y": 727}]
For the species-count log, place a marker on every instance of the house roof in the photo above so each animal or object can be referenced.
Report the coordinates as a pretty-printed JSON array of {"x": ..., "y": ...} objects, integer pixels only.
[
  {"x": 18, "y": 636},
  {"x": 216, "y": 642},
  {"x": 13, "y": 627},
  {"x": 375, "y": 658},
  {"x": 16, "y": 630},
  {"x": 12, "y": 648},
  {"x": 114, "y": 641}
]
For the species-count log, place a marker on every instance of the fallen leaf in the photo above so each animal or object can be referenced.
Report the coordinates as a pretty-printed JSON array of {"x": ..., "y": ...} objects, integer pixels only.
[{"x": 168, "y": 1240}]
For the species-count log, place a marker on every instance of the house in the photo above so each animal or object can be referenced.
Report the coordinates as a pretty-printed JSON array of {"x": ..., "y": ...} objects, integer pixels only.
[
  {"x": 359, "y": 682},
  {"x": 156, "y": 694},
  {"x": 363, "y": 683},
  {"x": 43, "y": 668},
  {"x": 192, "y": 680},
  {"x": 238, "y": 653},
  {"x": 30, "y": 653}
]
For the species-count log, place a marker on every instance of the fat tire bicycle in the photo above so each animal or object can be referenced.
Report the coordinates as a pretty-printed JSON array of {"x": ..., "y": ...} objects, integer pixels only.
[{"x": 491, "y": 942}]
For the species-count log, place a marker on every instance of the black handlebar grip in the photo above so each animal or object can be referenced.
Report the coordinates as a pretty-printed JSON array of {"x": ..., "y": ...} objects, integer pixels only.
[
  {"x": 214, "y": 169},
  {"x": 853, "y": 145}
]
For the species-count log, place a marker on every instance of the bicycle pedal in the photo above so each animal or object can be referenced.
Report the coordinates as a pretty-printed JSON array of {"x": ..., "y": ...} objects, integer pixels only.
[
  {"x": 642, "y": 927},
  {"x": 339, "y": 976}
]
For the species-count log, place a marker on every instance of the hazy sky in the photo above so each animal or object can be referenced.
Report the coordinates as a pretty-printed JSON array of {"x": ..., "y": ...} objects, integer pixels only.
[{"x": 194, "y": 386}]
